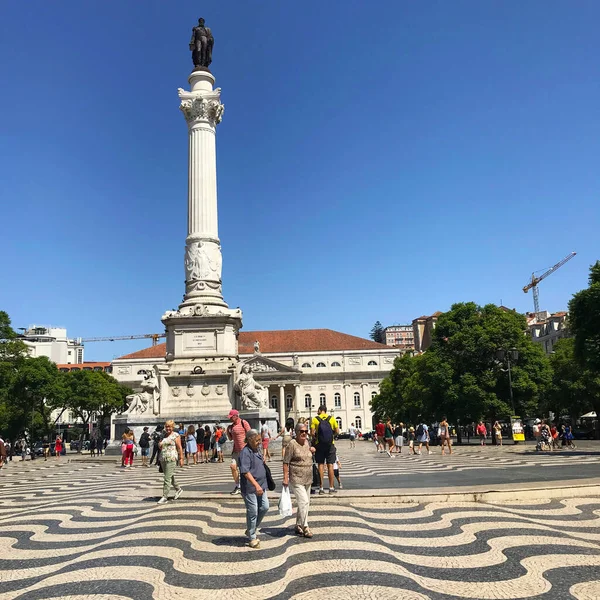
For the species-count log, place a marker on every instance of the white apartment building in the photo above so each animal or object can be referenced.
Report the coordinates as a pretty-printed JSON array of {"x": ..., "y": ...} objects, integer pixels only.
[
  {"x": 53, "y": 343},
  {"x": 546, "y": 329}
]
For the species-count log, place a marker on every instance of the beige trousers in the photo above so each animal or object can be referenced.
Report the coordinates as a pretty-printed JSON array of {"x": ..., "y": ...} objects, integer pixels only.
[{"x": 302, "y": 494}]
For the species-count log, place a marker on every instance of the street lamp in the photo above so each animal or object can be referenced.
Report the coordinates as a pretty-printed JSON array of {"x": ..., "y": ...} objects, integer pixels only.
[{"x": 508, "y": 355}]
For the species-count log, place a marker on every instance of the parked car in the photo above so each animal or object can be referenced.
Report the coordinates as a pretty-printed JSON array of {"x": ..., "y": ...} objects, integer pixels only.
[
  {"x": 39, "y": 449},
  {"x": 584, "y": 434},
  {"x": 74, "y": 445}
]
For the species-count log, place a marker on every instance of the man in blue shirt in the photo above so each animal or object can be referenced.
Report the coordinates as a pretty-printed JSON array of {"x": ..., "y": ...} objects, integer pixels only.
[{"x": 253, "y": 482}]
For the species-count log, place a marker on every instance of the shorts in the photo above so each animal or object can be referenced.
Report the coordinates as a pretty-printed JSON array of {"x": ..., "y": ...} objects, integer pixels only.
[
  {"x": 352, "y": 438},
  {"x": 234, "y": 457},
  {"x": 200, "y": 447},
  {"x": 399, "y": 441},
  {"x": 325, "y": 453},
  {"x": 265, "y": 443},
  {"x": 145, "y": 451}
]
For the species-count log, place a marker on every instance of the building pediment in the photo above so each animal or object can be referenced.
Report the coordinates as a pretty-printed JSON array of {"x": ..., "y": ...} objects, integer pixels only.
[{"x": 262, "y": 364}]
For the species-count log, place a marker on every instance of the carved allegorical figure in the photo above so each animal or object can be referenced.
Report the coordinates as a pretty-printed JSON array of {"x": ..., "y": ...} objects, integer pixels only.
[
  {"x": 253, "y": 394},
  {"x": 201, "y": 45},
  {"x": 148, "y": 398},
  {"x": 202, "y": 261}
]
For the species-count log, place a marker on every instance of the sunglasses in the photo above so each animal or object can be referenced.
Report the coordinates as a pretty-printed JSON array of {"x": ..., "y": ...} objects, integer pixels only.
[{"x": 303, "y": 431}]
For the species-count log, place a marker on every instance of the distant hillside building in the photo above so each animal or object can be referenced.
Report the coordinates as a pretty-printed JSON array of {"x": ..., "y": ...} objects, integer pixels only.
[
  {"x": 400, "y": 336},
  {"x": 53, "y": 343},
  {"x": 546, "y": 329},
  {"x": 301, "y": 369},
  {"x": 423, "y": 331}
]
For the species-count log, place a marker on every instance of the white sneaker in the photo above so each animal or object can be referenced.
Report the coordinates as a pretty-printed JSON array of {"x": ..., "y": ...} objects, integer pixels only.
[
  {"x": 178, "y": 493},
  {"x": 429, "y": 452},
  {"x": 163, "y": 500},
  {"x": 418, "y": 452}
]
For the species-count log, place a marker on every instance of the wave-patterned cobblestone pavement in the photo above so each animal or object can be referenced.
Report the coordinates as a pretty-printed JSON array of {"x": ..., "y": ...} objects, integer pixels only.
[{"x": 83, "y": 531}]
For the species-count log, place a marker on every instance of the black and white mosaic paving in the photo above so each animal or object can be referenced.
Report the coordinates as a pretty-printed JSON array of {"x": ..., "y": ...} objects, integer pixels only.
[{"x": 77, "y": 530}]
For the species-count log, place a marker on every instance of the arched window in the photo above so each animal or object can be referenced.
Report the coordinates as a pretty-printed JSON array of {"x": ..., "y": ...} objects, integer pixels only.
[
  {"x": 358, "y": 422},
  {"x": 307, "y": 401},
  {"x": 373, "y": 394},
  {"x": 339, "y": 422},
  {"x": 274, "y": 401},
  {"x": 357, "y": 399},
  {"x": 306, "y": 365},
  {"x": 320, "y": 365},
  {"x": 289, "y": 402},
  {"x": 337, "y": 400},
  {"x": 335, "y": 363},
  {"x": 322, "y": 399},
  {"x": 372, "y": 363}
]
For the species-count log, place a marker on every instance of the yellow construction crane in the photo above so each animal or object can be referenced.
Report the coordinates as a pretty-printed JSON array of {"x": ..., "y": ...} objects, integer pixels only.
[
  {"x": 535, "y": 280},
  {"x": 154, "y": 336}
]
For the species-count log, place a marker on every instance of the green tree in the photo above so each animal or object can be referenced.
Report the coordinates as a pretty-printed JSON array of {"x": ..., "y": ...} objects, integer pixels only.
[
  {"x": 11, "y": 347},
  {"x": 13, "y": 352},
  {"x": 34, "y": 395},
  {"x": 575, "y": 390},
  {"x": 584, "y": 321},
  {"x": 377, "y": 333},
  {"x": 460, "y": 376},
  {"x": 89, "y": 394}
]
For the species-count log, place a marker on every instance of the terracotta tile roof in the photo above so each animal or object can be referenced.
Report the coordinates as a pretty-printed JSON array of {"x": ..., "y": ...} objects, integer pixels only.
[
  {"x": 559, "y": 314},
  {"x": 82, "y": 365},
  {"x": 291, "y": 340},
  {"x": 157, "y": 351}
]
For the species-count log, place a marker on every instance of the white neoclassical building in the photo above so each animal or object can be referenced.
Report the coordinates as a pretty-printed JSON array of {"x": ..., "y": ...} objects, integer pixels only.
[{"x": 300, "y": 369}]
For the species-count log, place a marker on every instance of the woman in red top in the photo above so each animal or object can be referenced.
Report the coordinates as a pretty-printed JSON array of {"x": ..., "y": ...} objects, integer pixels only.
[
  {"x": 482, "y": 432},
  {"x": 58, "y": 446}
]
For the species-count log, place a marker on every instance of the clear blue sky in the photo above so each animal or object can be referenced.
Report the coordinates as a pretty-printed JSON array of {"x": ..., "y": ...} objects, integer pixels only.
[{"x": 377, "y": 160}]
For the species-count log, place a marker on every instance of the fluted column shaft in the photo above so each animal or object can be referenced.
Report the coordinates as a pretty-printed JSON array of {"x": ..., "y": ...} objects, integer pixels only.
[{"x": 203, "y": 111}]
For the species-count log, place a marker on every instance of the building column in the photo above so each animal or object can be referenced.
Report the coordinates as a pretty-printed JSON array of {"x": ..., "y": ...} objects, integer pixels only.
[
  {"x": 363, "y": 393},
  {"x": 281, "y": 404},
  {"x": 297, "y": 393}
]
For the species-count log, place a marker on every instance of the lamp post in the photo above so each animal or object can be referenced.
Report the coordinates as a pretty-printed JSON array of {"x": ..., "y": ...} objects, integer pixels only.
[{"x": 508, "y": 355}]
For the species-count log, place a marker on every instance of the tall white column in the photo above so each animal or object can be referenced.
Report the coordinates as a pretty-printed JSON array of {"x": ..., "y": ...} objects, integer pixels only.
[
  {"x": 203, "y": 111},
  {"x": 282, "y": 407}
]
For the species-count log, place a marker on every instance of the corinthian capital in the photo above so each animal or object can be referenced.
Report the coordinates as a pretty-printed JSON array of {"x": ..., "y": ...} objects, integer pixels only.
[{"x": 201, "y": 108}]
